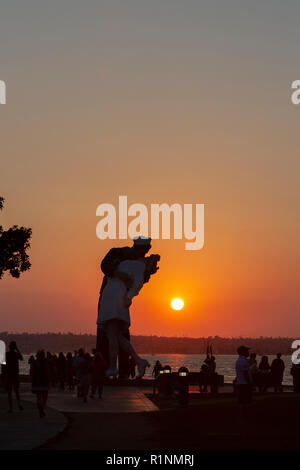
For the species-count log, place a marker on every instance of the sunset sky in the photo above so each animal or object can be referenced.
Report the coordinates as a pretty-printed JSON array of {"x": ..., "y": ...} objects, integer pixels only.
[{"x": 163, "y": 101}]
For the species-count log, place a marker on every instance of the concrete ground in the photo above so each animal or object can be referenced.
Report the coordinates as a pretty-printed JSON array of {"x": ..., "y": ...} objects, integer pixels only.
[
  {"x": 128, "y": 417},
  {"x": 115, "y": 400},
  {"x": 25, "y": 430}
]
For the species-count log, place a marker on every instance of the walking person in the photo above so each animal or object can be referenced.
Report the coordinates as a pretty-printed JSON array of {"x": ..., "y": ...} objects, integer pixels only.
[
  {"x": 40, "y": 381},
  {"x": 12, "y": 381}
]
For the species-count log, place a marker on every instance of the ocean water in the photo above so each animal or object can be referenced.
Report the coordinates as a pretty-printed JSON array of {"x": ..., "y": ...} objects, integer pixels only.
[{"x": 225, "y": 364}]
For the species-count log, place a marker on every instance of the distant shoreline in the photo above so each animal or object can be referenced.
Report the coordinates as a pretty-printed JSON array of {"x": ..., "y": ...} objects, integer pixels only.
[{"x": 29, "y": 342}]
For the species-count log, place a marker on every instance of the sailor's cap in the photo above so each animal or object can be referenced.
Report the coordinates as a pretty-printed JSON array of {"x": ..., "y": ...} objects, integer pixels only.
[{"x": 141, "y": 241}]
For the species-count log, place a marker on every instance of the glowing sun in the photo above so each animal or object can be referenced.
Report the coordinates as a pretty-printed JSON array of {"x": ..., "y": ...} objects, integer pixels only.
[{"x": 177, "y": 304}]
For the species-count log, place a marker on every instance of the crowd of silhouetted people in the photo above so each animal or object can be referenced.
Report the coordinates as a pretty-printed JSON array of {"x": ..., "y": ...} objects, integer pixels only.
[
  {"x": 266, "y": 375},
  {"x": 80, "y": 370},
  {"x": 85, "y": 373}
]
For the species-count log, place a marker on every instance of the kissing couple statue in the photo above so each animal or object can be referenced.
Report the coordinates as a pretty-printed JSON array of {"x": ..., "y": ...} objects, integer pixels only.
[{"x": 126, "y": 270}]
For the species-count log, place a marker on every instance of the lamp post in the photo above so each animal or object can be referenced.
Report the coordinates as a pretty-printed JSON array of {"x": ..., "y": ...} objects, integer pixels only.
[
  {"x": 183, "y": 386},
  {"x": 165, "y": 382}
]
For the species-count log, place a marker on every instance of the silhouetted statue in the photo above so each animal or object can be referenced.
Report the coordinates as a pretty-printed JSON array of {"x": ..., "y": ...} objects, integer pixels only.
[
  {"x": 13, "y": 245},
  {"x": 109, "y": 267}
]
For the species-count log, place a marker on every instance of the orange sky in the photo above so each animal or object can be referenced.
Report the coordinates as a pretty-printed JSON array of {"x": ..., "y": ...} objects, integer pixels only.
[{"x": 189, "y": 108}]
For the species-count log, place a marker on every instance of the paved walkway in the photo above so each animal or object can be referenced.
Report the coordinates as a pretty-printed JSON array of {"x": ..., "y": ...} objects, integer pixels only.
[
  {"x": 115, "y": 400},
  {"x": 25, "y": 430},
  {"x": 22, "y": 430}
]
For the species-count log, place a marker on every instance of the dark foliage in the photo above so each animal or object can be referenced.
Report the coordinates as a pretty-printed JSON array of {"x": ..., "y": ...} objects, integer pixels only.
[{"x": 14, "y": 243}]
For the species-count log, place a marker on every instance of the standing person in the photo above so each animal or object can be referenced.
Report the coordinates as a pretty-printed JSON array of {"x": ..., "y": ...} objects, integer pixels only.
[
  {"x": 203, "y": 378},
  {"x": 55, "y": 369},
  {"x": 264, "y": 374},
  {"x": 30, "y": 362},
  {"x": 99, "y": 367},
  {"x": 40, "y": 381},
  {"x": 243, "y": 381},
  {"x": 69, "y": 371},
  {"x": 50, "y": 362},
  {"x": 13, "y": 356},
  {"x": 109, "y": 267},
  {"x": 253, "y": 369},
  {"x": 61, "y": 370},
  {"x": 85, "y": 375},
  {"x": 277, "y": 370},
  {"x": 77, "y": 361},
  {"x": 156, "y": 369}
]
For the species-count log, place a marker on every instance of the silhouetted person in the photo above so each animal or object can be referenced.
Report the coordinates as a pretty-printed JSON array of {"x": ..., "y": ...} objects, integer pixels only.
[
  {"x": 253, "y": 369},
  {"x": 30, "y": 362},
  {"x": 40, "y": 381},
  {"x": 295, "y": 372},
  {"x": 207, "y": 360},
  {"x": 85, "y": 375},
  {"x": 132, "y": 365},
  {"x": 277, "y": 370},
  {"x": 99, "y": 367},
  {"x": 213, "y": 364},
  {"x": 61, "y": 370},
  {"x": 156, "y": 369},
  {"x": 77, "y": 361},
  {"x": 203, "y": 378},
  {"x": 69, "y": 371},
  {"x": 55, "y": 369},
  {"x": 50, "y": 363},
  {"x": 213, "y": 376},
  {"x": 13, "y": 356},
  {"x": 243, "y": 381},
  {"x": 264, "y": 374}
]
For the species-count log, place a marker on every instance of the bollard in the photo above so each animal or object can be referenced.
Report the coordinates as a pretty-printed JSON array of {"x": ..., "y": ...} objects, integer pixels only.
[{"x": 183, "y": 386}]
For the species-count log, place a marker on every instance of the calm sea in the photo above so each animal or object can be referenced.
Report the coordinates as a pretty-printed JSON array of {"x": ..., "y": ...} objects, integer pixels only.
[{"x": 225, "y": 364}]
